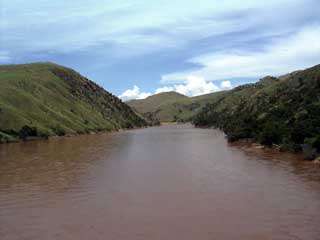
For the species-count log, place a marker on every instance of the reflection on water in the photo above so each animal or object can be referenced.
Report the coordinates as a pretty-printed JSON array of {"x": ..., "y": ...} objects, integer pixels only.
[{"x": 172, "y": 182}]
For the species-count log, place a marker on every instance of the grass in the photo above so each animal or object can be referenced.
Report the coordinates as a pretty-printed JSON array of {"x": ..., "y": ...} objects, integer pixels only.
[
  {"x": 55, "y": 99},
  {"x": 172, "y": 106}
]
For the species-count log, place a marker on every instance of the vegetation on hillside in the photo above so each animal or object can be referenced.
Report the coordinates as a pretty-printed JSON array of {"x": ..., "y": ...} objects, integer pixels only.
[
  {"x": 45, "y": 99},
  {"x": 284, "y": 111},
  {"x": 172, "y": 106},
  {"x": 159, "y": 106}
]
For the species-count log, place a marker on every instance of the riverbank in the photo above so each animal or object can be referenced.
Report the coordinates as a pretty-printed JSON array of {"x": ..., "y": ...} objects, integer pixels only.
[
  {"x": 16, "y": 139},
  {"x": 303, "y": 155},
  {"x": 307, "y": 153}
]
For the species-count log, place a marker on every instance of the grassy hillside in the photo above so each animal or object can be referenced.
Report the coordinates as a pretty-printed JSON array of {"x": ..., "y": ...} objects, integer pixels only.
[
  {"x": 283, "y": 111},
  {"x": 45, "y": 99},
  {"x": 161, "y": 106},
  {"x": 172, "y": 106}
]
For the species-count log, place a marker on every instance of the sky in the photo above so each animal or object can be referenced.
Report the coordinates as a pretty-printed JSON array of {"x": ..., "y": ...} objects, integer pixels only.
[{"x": 135, "y": 48}]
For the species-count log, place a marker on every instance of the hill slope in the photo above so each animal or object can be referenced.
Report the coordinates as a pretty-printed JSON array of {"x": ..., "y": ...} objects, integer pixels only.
[
  {"x": 161, "y": 106},
  {"x": 44, "y": 99},
  {"x": 172, "y": 106},
  {"x": 283, "y": 111}
]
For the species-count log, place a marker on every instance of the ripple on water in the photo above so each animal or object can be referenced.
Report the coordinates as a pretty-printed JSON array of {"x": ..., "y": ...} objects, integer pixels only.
[{"x": 171, "y": 182}]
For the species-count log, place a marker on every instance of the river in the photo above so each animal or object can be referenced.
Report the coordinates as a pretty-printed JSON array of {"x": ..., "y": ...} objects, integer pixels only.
[{"x": 164, "y": 183}]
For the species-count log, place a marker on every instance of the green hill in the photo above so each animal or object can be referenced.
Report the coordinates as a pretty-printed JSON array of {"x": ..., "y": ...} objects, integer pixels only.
[
  {"x": 284, "y": 111},
  {"x": 172, "y": 106},
  {"x": 45, "y": 99},
  {"x": 161, "y": 106}
]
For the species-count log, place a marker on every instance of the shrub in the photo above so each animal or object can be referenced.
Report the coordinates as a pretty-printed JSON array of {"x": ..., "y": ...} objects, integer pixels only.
[
  {"x": 314, "y": 142},
  {"x": 27, "y": 131},
  {"x": 270, "y": 134},
  {"x": 58, "y": 130}
]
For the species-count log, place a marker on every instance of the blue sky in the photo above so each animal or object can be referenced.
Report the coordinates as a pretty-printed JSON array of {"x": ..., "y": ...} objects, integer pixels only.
[{"x": 135, "y": 48}]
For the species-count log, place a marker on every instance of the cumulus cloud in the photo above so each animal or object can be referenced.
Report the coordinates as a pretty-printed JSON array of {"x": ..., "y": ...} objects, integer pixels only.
[
  {"x": 192, "y": 86},
  {"x": 133, "y": 93},
  {"x": 195, "y": 86},
  {"x": 225, "y": 85},
  {"x": 164, "y": 89}
]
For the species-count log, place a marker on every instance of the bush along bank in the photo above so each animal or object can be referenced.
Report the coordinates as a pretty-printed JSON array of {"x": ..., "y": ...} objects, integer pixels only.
[{"x": 282, "y": 111}]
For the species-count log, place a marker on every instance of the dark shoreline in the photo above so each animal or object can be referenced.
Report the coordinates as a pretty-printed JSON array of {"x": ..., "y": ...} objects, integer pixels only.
[
  {"x": 69, "y": 135},
  {"x": 253, "y": 143}
]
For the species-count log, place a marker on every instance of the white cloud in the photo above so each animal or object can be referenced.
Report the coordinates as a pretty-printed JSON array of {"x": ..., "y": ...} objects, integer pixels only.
[
  {"x": 192, "y": 86},
  {"x": 122, "y": 25},
  {"x": 225, "y": 85},
  {"x": 195, "y": 86},
  {"x": 133, "y": 93},
  {"x": 164, "y": 89},
  {"x": 299, "y": 50}
]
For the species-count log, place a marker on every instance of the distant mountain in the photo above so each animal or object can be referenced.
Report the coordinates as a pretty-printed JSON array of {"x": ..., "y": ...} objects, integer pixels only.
[
  {"x": 284, "y": 111},
  {"x": 159, "y": 105},
  {"x": 171, "y": 106},
  {"x": 45, "y": 99}
]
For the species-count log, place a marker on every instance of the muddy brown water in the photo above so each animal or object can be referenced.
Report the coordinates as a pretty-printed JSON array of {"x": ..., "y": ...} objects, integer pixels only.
[{"x": 168, "y": 183}]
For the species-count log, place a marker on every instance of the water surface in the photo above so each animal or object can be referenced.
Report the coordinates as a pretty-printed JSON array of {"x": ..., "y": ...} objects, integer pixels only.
[{"x": 167, "y": 183}]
